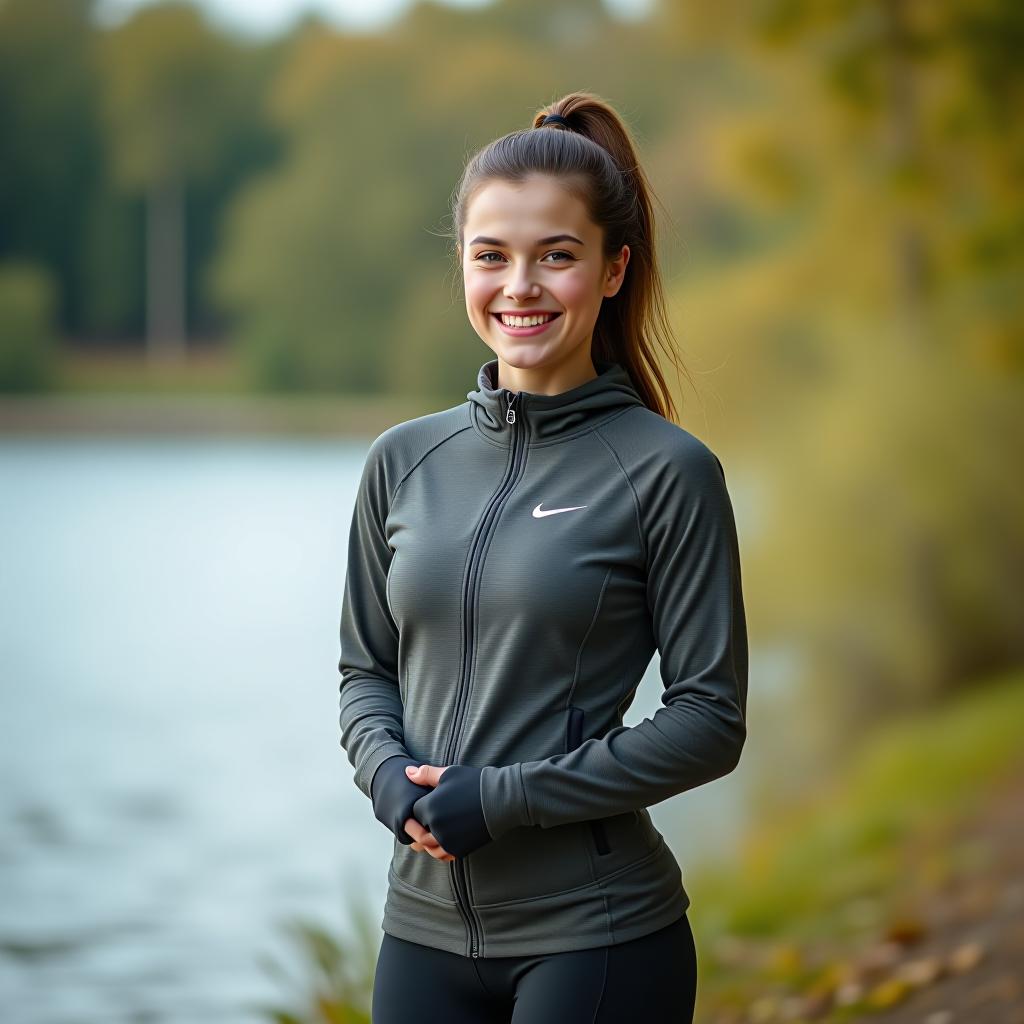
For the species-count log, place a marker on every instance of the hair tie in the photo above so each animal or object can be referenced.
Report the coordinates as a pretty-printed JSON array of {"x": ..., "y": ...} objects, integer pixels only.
[{"x": 556, "y": 119}]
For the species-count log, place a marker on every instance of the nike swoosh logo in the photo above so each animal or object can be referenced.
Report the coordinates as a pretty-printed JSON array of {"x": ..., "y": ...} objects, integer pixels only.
[{"x": 537, "y": 513}]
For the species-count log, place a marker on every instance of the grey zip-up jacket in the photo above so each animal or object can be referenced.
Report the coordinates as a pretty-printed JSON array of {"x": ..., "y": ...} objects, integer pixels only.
[{"x": 513, "y": 563}]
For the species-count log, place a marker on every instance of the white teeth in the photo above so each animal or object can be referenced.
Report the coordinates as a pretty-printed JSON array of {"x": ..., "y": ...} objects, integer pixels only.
[{"x": 526, "y": 321}]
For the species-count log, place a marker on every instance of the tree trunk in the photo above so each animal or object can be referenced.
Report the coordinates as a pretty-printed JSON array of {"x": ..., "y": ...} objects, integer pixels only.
[{"x": 165, "y": 271}]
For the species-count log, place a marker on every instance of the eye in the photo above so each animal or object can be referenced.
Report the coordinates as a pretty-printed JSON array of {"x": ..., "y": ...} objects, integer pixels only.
[{"x": 483, "y": 256}]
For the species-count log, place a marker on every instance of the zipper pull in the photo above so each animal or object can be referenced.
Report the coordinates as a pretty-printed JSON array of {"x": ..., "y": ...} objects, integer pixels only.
[{"x": 510, "y": 416}]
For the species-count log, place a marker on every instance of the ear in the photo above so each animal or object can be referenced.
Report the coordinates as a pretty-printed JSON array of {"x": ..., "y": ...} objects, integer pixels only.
[{"x": 615, "y": 272}]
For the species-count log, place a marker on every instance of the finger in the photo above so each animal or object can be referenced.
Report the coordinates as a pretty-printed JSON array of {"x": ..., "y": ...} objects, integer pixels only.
[
  {"x": 422, "y": 838},
  {"x": 415, "y": 829},
  {"x": 437, "y": 852},
  {"x": 428, "y": 840},
  {"x": 429, "y": 844}
]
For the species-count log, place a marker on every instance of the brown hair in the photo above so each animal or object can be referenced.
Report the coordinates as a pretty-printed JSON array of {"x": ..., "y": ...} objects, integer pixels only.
[{"x": 597, "y": 161}]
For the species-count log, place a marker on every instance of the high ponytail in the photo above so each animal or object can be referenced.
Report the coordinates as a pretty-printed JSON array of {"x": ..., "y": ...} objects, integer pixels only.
[{"x": 595, "y": 157}]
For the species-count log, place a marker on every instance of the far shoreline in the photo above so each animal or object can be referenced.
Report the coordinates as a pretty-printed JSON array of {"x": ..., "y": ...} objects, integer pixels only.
[{"x": 139, "y": 413}]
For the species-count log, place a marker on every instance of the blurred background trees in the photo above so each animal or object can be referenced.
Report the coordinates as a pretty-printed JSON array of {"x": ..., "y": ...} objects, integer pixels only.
[{"x": 841, "y": 230}]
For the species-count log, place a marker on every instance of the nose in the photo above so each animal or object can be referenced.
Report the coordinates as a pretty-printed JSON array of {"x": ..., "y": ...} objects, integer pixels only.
[{"x": 519, "y": 287}]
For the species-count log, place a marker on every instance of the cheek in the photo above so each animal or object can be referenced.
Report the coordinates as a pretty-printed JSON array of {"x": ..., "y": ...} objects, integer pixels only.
[
  {"x": 478, "y": 292},
  {"x": 577, "y": 291}
]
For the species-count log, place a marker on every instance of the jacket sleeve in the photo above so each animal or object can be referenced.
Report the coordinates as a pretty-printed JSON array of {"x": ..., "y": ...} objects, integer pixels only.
[
  {"x": 370, "y": 703},
  {"x": 694, "y": 596}
]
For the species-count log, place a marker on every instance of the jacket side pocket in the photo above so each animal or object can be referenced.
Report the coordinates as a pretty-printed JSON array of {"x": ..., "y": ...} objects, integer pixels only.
[{"x": 573, "y": 738}]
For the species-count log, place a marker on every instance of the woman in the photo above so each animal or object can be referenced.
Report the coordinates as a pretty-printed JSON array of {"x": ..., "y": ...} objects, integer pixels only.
[{"x": 514, "y": 561}]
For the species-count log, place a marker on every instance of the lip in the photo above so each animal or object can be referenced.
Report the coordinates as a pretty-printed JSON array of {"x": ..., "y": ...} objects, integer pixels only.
[
  {"x": 525, "y": 312},
  {"x": 525, "y": 332}
]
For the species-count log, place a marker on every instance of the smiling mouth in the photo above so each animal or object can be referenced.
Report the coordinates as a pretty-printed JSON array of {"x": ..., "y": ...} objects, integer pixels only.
[{"x": 547, "y": 318}]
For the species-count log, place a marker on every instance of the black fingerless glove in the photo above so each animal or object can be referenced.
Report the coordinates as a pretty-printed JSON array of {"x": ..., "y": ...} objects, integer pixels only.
[
  {"x": 394, "y": 794},
  {"x": 452, "y": 812}
]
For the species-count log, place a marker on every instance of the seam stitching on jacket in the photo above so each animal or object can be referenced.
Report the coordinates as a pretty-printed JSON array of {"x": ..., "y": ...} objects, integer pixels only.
[
  {"x": 587, "y": 831},
  {"x": 600, "y": 881},
  {"x": 632, "y": 488},
  {"x": 420, "y": 458},
  {"x": 638, "y": 511},
  {"x": 522, "y": 789},
  {"x": 426, "y": 894},
  {"x": 597, "y": 883},
  {"x": 586, "y": 635}
]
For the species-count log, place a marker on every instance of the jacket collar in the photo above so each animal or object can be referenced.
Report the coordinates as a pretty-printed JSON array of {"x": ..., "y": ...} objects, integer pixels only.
[{"x": 549, "y": 417}]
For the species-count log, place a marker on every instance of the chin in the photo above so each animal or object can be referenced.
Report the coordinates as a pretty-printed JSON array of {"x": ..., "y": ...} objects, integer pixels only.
[{"x": 524, "y": 356}]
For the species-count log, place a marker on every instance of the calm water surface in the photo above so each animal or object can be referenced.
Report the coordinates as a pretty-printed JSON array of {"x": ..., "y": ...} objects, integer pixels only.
[{"x": 173, "y": 784}]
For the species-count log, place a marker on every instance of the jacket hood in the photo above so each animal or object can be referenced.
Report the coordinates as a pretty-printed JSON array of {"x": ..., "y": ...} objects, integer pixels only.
[{"x": 549, "y": 417}]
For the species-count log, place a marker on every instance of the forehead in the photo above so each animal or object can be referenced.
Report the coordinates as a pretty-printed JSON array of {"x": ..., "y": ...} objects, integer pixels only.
[{"x": 525, "y": 211}]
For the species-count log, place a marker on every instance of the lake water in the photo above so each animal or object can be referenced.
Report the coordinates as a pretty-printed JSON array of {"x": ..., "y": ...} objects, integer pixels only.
[{"x": 174, "y": 789}]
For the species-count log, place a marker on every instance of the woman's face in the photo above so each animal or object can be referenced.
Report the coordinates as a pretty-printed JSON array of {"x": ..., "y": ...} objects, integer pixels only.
[{"x": 532, "y": 248}]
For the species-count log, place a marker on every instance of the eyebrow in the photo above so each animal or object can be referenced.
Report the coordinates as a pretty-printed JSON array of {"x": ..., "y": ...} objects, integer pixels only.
[{"x": 550, "y": 240}]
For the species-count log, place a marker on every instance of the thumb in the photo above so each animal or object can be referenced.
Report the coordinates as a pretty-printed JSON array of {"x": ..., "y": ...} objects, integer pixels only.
[{"x": 425, "y": 774}]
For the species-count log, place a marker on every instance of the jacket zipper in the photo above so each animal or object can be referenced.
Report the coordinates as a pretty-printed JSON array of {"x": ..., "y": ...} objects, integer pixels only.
[{"x": 469, "y": 596}]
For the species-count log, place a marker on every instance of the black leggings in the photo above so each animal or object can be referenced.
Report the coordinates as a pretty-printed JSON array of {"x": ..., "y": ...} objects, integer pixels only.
[{"x": 652, "y": 979}]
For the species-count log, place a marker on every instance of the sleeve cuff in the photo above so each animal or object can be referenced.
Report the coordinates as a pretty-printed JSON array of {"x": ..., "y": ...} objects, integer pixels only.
[
  {"x": 394, "y": 794},
  {"x": 364, "y": 774},
  {"x": 503, "y": 798}
]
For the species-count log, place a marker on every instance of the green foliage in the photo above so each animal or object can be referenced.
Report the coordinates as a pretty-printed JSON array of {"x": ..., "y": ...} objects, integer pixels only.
[
  {"x": 327, "y": 980},
  {"x": 165, "y": 79},
  {"x": 27, "y": 331},
  {"x": 866, "y": 344},
  {"x": 803, "y": 864},
  {"x": 336, "y": 266},
  {"x": 50, "y": 141}
]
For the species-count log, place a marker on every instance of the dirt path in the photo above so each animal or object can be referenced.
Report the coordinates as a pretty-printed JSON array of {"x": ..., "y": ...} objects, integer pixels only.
[{"x": 967, "y": 966}]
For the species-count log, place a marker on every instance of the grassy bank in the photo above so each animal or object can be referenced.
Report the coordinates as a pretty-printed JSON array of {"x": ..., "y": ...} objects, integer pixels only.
[{"x": 817, "y": 884}]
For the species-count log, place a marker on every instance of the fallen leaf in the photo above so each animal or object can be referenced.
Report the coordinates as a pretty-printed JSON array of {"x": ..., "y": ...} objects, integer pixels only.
[
  {"x": 964, "y": 957},
  {"x": 888, "y": 993},
  {"x": 921, "y": 972}
]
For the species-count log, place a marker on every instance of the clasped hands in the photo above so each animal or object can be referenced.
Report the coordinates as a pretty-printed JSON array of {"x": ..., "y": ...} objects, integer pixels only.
[
  {"x": 423, "y": 840},
  {"x": 432, "y": 809}
]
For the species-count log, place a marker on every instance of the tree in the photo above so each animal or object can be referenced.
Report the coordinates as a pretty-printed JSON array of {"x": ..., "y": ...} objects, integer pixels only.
[
  {"x": 166, "y": 97},
  {"x": 50, "y": 156}
]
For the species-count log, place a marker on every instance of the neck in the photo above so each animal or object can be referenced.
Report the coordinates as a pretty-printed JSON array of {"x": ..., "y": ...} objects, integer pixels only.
[{"x": 550, "y": 379}]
